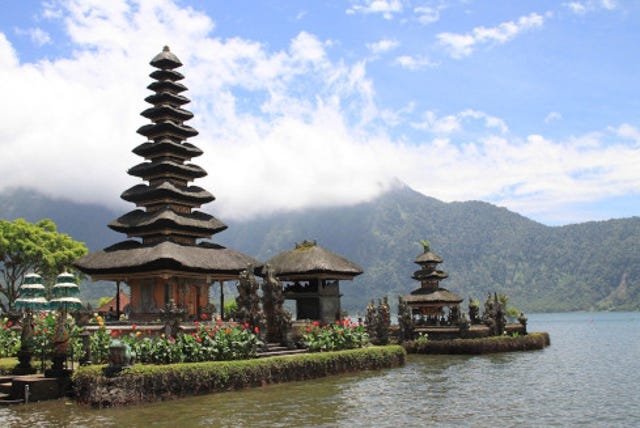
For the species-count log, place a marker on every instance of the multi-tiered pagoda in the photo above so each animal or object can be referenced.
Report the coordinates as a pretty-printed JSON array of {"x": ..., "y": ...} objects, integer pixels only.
[
  {"x": 171, "y": 260},
  {"x": 430, "y": 301}
]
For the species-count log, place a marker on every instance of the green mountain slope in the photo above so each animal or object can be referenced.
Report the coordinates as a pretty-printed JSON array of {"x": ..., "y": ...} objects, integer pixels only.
[{"x": 588, "y": 266}]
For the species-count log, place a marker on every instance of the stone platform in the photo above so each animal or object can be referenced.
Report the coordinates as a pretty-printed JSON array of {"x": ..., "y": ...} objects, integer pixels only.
[{"x": 21, "y": 389}]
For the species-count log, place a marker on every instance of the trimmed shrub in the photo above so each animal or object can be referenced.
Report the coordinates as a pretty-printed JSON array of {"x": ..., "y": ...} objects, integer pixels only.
[
  {"x": 484, "y": 345},
  {"x": 145, "y": 383},
  {"x": 7, "y": 365}
]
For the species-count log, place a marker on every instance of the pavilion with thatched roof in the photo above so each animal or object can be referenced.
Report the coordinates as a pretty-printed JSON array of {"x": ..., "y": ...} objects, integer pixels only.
[
  {"x": 171, "y": 260},
  {"x": 311, "y": 275},
  {"x": 429, "y": 302}
]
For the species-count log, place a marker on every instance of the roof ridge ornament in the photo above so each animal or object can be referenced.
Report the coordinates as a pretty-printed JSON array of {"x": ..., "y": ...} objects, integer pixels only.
[{"x": 306, "y": 244}]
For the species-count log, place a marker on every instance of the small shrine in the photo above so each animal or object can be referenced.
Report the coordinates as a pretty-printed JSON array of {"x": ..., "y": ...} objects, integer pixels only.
[
  {"x": 311, "y": 276},
  {"x": 171, "y": 261},
  {"x": 32, "y": 293},
  {"x": 65, "y": 293},
  {"x": 430, "y": 304}
]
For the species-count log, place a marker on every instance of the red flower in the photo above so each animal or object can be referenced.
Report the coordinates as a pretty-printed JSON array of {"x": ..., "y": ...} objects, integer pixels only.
[
  {"x": 219, "y": 322},
  {"x": 204, "y": 317},
  {"x": 245, "y": 325},
  {"x": 133, "y": 326},
  {"x": 256, "y": 330},
  {"x": 308, "y": 329},
  {"x": 196, "y": 323},
  {"x": 316, "y": 323},
  {"x": 198, "y": 339},
  {"x": 9, "y": 323},
  {"x": 114, "y": 333}
]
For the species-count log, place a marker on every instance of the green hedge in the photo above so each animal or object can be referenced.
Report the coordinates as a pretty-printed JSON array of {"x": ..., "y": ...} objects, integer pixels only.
[
  {"x": 7, "y": 365},
  {"x": 484, "y": 345},
  {"x": 144, "y": 383}
]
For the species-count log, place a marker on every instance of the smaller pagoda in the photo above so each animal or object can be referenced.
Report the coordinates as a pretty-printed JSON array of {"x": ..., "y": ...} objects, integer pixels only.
[
  {"x": 429, "y": 302},
  {"x": 32, "y": 293},
  {"x": 311, "y": 275},
  {"x": 65, "y": 292},
  {"x": 31, "y": 298}
]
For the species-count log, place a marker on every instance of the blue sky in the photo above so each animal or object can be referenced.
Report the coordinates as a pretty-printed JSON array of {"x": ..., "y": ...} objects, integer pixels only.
[{"x": 534, "y": 106}]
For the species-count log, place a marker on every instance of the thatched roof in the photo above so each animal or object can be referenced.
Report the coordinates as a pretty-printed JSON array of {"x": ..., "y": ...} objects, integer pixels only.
[
  {"x": 138, "y": 221},
  {"x": 166, "y": 59},
  {"x": 132, "y": 257},
  {"x": 309, "y": 260},
  {"x": 166, "y": 85},
  {"x": 166, "y": 75},
  {"x": 166, "y": 168},
  {"x": 166, "y": 147},
  {"x": 423, "y": 296},
  {"x": 423, "y": 275},
  {"x": 165, "y": 128},
  {"x": 168, "y": 193},
  {"x": 428, "y": 256}
]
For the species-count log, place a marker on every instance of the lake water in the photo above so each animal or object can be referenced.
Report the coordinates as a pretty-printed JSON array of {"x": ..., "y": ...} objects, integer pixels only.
[{"x": 589, "y": 376}]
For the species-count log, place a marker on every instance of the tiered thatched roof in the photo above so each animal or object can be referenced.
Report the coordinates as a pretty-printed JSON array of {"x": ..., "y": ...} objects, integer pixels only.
[
  {"x": 430, "y": 293},
  {"x": 170, "y": 231}
]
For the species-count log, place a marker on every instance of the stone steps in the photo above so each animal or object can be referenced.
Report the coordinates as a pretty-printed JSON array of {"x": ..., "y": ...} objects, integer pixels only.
[
  {"x": 13, "y": 389},
  {"x": 5, "y": 387},
  {"x": 277, "y": 350},
  {"x": 7, "y": 400},
  {"x": 284, "y": 352}
]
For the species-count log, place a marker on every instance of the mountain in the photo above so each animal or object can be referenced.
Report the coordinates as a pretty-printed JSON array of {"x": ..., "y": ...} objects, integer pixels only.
[{"x": 588, "y": 266}]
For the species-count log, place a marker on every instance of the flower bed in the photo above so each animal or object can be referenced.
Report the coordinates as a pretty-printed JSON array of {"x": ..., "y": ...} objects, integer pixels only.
[
  {"x": 334, "y": 337},
  {"x": 202, "y": 342},
  {"x": 145, "y": 383}
]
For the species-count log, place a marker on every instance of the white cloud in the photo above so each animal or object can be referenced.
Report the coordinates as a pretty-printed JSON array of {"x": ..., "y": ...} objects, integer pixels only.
[
  {"x": 387, "y": 8},
  {"x": 583, "y": 7},
  {"x": 280, "y": 129},
  {"x": 427, "y": 15},
  {"x": 414, "y": 63},
  {"x": 552, "y": 116},
  {"x": 627, "y": 131},
  {"x": 455, "y": 122},
  {"x": 8, "y": 56},
  {"x": 38, "y": 36},
  {"x": 381, "y": 46},
  {"x": 461, "y": 45}
]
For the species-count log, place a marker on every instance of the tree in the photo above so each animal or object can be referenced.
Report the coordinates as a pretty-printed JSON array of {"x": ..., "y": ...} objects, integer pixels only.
[{"x": 26, "y": 247}]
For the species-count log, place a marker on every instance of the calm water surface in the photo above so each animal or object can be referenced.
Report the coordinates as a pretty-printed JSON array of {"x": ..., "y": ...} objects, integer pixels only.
[{"x": 589, "y": 376}]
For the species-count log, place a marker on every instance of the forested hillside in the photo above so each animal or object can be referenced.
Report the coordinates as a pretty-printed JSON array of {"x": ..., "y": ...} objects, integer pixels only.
[{"x": 589, "y": 266}]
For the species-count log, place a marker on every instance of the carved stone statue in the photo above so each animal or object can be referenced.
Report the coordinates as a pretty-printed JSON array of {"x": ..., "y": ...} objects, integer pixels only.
[
  {"x": 474, "y": 311},
  {"x": 384, "y": 321},
  {"x": 171, "y": 314},
  {"x": 405, "y": 320},
  {"x": 277, "y": 319},
  {"x": 248, "y": 302}
]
